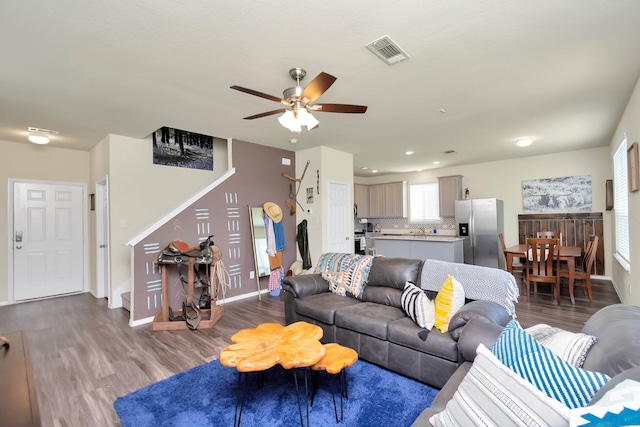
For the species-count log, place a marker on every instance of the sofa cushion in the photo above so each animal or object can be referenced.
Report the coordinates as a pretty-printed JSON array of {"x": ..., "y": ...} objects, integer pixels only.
[
  {"x": 492, "y": 394},
  {"x": 417, "y": 306},
  {"x": 382, "y": 295},
  {"x": 550, "y": 374},
  {"x": 323, "y": 306},
  {"x": 450, "y": 299},
  {"x": 393, "y": 272},
  {"x": 570, "y": 346},
  {"x": 368, "y": 318},
  {"x": 404, "y": 332}
]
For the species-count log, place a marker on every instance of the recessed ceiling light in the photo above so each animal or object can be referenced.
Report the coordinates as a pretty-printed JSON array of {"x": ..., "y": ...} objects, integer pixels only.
[
  {"x": 442, "y": 111},
  {"x": 364, "y": 168},
  {"x": 374, "y": 171},
  {"x": 437, "y": 162},
  {"x": 408, "y": 153},
  {"x": 525, "y": 142},
  {"x": 39, "y": 139}
]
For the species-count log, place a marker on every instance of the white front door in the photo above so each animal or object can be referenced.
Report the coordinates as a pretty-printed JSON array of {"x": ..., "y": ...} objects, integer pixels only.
[
  {"x": 48, "y": 248},
  {"x": 340, "y": 218}
]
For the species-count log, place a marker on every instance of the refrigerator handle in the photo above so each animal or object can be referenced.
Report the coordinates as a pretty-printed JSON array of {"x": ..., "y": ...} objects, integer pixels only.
[{"x": 472, "y": 228}]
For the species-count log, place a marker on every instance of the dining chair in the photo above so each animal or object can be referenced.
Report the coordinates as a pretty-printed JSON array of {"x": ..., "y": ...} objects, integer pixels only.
[
  {"x": 543, "y": 264},
  {"x": 583, "y": 272},
  {"x": 515, "y": 265},
  {"x": 549, "y": 235}
]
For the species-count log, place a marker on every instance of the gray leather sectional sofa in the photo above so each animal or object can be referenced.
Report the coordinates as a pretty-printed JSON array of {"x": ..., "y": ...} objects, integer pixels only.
[
  {"x": 376, "y": 326},
  {"x": 616, "y": 352}
]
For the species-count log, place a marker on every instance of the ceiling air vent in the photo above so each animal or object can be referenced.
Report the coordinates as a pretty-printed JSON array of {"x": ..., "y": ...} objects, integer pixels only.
[
  {"x": 449, "y": 152},
  {"x": 387, "y": 50},
  {"x": 50, "y": 132}
]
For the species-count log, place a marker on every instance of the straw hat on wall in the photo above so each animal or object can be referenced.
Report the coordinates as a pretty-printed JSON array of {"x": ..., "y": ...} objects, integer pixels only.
[{"x": 273, "y": 211}]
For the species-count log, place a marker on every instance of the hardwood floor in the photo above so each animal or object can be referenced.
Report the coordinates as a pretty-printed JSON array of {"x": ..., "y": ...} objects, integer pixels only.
[{"x": 85, "y": 355}]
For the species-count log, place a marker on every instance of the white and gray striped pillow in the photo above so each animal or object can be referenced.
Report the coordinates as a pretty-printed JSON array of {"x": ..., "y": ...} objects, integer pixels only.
[
  {"x": 492, "y": 394},
  {"x": 418, "y": 306},
  {"x": 571, "y": 347}
]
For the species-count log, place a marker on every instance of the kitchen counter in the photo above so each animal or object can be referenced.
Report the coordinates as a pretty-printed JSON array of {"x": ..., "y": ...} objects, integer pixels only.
[
  {"x": 428, "y": 237},
  {"x": 443, "y": 248}
]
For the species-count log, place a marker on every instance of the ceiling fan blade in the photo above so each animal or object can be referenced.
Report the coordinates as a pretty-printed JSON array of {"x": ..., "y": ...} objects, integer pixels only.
[
  {"x": 339, "y": 108},
  {"x": 268, "y": 113},
  {"x": 260, "y": 94},
  {"x": 317, "y": 87}
]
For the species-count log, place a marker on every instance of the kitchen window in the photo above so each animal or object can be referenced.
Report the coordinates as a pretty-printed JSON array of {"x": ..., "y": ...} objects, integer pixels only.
[
  {"x": 620, "y": 205},
  {"x": 424, "y": 202}
]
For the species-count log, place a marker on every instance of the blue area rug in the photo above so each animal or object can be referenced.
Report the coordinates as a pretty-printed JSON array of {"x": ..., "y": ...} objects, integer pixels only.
[{"x": 206, "y": 396}]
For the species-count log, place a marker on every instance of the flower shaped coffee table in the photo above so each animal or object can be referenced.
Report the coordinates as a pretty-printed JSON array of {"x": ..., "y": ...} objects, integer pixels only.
[{"x": 261, "y": 348}]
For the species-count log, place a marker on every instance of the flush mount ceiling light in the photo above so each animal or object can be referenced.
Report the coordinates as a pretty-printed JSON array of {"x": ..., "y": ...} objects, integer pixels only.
[
  {"x": 364, "y": 168},
  {"x": 39, "y": 136},
  {"x": 437, "y": 162},
  {"x": 524, "y": 142},
  {"x": 38, "y": 139},
  {"x": 408, "y": 153}
]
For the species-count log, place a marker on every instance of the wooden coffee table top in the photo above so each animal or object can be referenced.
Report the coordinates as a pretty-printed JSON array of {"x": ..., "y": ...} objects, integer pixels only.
[
  {"x": 336, "y": 358},
  {"x": 258, "y": 349}
]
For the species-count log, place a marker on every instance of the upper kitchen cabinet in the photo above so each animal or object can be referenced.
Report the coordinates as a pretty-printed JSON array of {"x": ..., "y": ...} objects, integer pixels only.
[
  {"x": 450, "y": 191},
  {"x": 361, "y": 193},
  {"x": 396, "y": 196},
  {"x": 388, "y": 200}
]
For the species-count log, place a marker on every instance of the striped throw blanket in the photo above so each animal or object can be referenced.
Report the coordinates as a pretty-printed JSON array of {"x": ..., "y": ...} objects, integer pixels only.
[{"x": 480, "y": 283}]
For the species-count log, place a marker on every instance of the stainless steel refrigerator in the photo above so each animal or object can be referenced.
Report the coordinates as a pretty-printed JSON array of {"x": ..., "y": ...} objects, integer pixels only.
[{"x": 480, "y": 221}]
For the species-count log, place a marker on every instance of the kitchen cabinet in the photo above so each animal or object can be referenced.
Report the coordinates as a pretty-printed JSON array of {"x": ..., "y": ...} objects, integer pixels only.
[
  {"x": 388, "y": 200},
  {"x": 376, "y": 201},
  {"x": 450, "y": 188},
  {"x": 395, "y": 200},
  {"x": 361, "y": 196}
]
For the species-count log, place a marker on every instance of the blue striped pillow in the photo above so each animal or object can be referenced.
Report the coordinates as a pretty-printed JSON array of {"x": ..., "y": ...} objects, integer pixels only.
[{"x": 549, "y": 373}]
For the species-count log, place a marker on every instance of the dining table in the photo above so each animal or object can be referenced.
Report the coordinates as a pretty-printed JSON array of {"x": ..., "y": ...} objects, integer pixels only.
[{"x": 565, "y": 253}]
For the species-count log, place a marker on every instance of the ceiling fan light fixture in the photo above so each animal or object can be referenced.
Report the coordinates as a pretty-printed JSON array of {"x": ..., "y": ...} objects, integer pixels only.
[
  {"x": 307, "y": 119},
  {"x": 289, "y": 121},
  {"x": 295, "y": 120}
]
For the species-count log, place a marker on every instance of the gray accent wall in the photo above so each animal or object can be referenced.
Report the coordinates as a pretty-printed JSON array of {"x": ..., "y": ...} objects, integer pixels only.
[{"x": 222, "y": 212}]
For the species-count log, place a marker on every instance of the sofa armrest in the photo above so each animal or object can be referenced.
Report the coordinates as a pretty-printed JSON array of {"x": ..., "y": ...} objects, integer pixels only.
[
  {"x": 477, "y": 331},
  {"x": 305, "y": 285},
  {"x": 487, "y": 310}
]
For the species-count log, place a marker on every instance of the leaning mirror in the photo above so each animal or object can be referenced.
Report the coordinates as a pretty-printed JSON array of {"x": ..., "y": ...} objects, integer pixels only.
[{"x": 259, "y": 236}]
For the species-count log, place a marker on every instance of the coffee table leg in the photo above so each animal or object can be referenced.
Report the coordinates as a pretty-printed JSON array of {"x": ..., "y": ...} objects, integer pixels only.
[
  {"x": 306, "y": 396},
  {"x": 240, "y": 392}
]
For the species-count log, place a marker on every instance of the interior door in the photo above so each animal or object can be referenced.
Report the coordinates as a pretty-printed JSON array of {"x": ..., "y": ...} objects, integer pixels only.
[
  {"x": 48, "y": 255},
  {"x": 340, "y": 218}
]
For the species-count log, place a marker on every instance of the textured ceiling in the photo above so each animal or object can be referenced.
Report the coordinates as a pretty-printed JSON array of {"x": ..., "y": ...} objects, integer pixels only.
[{"x": 560, "y": 71}]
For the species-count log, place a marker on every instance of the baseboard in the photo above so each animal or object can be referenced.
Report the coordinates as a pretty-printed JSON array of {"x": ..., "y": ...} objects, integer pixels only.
[
  {"x": 243, "y": 296},
  {"x": 140, "y": 322}
]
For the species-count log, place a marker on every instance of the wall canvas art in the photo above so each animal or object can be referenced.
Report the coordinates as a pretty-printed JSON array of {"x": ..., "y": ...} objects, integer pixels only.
[
  {"x": 175, "y": 147},
  {"x": 566, "y": 194}
]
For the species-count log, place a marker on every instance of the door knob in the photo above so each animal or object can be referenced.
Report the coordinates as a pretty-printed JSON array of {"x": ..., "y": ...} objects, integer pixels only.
[
  {"x": 18, "y": 247},
  {"x": 104, "y": 245}
]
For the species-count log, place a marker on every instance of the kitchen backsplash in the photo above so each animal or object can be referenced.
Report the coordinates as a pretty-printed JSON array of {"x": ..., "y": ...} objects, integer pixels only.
[{"x": 402, "y": 226}]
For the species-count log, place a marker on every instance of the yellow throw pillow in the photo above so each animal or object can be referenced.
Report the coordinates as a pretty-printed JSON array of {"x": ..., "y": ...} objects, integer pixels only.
[{"x": 449, "y": 300}]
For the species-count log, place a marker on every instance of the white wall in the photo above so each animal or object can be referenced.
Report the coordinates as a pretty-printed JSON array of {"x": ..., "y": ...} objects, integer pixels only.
[
  {"x": 140, "y": 193},
  {"x": 23, "y": 160},
  {"x": 333, "y": 165},
  {"x": 503, "y": 180},
  {"x": 627, "y": 282}
]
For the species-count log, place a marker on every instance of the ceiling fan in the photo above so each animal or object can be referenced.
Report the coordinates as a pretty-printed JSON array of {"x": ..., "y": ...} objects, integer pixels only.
[{"x": 299, "y": 101}]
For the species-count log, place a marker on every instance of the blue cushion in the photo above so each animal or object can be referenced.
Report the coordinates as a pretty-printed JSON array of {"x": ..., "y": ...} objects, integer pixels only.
[{"x": 549, "y": 373}]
